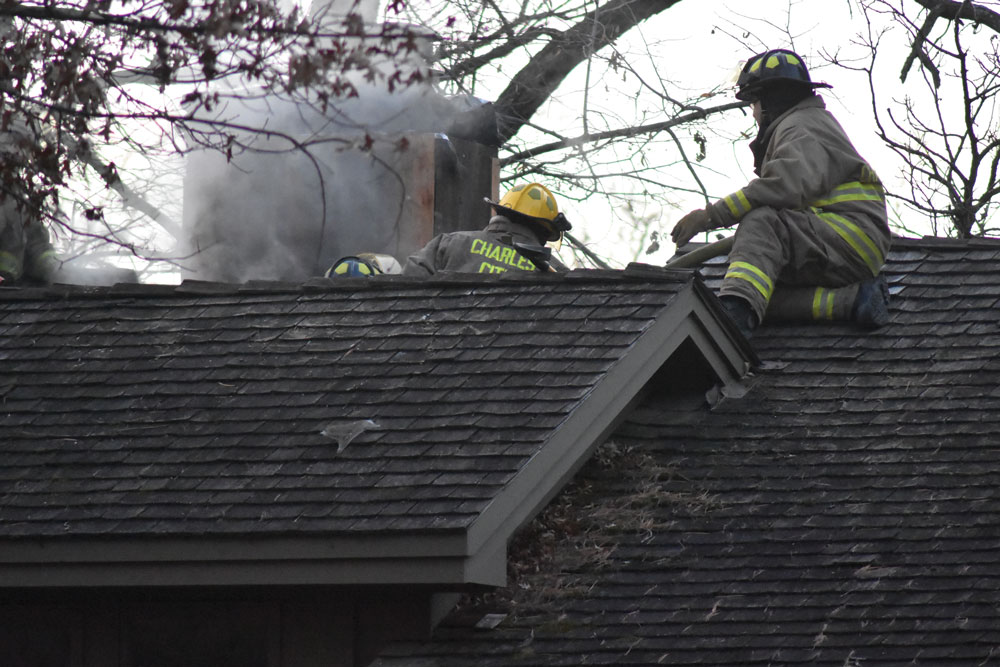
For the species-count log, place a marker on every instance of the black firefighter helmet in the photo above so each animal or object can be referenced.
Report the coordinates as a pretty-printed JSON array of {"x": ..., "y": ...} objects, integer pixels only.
[{"x": 777, "y": 67}]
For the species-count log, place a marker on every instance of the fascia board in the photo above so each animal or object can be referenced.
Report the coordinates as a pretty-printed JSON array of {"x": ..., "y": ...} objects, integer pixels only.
[
  {"x": 233, "y": 549},
  {"x": 686, "y": 316},
  {"x": 722, "y": 336},
  {"x": 250, "y": 562},
  {"x": 438, "y": 572}
]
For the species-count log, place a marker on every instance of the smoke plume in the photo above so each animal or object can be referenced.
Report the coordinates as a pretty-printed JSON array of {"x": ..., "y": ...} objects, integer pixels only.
[{"x": 275, "y": 212}]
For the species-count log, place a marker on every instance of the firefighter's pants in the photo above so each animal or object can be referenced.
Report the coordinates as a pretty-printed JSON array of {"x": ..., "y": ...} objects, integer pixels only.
[{"x": 797, "y": 265}]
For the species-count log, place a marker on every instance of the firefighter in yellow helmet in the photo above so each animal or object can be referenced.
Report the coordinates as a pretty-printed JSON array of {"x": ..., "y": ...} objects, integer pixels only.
[
  {"x": 812, "y": 227},
  {"x": 525, "y": 219}
]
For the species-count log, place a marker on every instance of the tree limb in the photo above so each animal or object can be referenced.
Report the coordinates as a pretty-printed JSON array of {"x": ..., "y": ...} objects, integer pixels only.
[
  {"x": 579, "y": 245},
  {"x": 55, "y": 13},
  {"x": 619, "y": 133},
  {"x": 963, "y": 10},
  {"x": 537, "y": 80},
  {"x": 917, "y": 49},
  {"x": 505, "y": 48}
]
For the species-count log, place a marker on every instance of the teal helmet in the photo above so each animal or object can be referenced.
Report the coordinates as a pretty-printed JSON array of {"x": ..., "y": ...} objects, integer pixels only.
[
  {"x": 352, "y": 267},
  {"x": 364, "y": 265}
]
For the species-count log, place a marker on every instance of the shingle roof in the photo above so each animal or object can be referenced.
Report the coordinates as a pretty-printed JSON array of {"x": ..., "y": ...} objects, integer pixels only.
[
  {"x": 370, "y": 409},
  {"x": 845, "y": 511}
]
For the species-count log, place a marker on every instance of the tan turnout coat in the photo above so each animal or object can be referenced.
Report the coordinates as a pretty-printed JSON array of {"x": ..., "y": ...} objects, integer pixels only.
[
  {"x": 815, "y": 218},
  {"x": 490, "y": 250}
]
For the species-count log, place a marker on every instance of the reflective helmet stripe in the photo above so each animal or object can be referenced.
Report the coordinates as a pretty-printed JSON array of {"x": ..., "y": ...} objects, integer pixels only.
[{"x": 777, "y": 66}]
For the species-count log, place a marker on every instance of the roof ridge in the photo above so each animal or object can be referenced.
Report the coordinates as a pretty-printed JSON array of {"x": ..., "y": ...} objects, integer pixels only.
[
  {"x": 635, "y": 272},
  {"x": 939, "y": 241}
]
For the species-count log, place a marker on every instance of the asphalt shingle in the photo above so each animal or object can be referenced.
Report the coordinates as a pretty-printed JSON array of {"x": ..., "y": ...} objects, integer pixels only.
[
  {"x": 202, "y": 409},
  {"x": 845, "y": 511}
]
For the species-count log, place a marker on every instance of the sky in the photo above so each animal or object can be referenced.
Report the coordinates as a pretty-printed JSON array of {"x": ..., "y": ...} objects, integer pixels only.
[
  {"x": 698, "y": 47},
  {"x": 712, "y": 38}
]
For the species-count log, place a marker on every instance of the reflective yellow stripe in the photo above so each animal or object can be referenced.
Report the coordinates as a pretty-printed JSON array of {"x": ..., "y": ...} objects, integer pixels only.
[
  {"x": 744, "y": 201},
  {"x": 739, "y": 275},
  {"x": 853, "y": 191},
  {"x": 738, "y": 204},
  {"x": 753, "y": 269},
  {"x": 821, "y": 311},
  {"x": 752, "y": 275},
  {"x": 856, "y": 238}
]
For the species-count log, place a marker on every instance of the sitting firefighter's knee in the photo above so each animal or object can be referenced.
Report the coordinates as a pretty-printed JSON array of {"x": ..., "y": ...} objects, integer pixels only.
[
  {"x": 761, "y": 217},
  {"x": 762, "y": 229}
]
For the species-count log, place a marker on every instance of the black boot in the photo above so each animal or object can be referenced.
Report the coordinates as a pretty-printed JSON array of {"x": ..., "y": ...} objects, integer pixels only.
[
  {"x": 741, "y": 314},
  {"x": 871, "y": 305}
]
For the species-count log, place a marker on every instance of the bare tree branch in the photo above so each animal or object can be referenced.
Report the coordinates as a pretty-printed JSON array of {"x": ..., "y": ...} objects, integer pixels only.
[
  {"x": 624, "y": 132},
  {"x": 535, "y": 82},
  {"x": 950, "y": 144},
  {"x": 917, "y": 49},
  {"x": 963, "y": 10}
]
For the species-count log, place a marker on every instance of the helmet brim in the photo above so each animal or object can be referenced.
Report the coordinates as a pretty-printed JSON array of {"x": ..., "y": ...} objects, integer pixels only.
[
  {"x": 557, "y": 225},
  {"x": 752, "y": 92}
]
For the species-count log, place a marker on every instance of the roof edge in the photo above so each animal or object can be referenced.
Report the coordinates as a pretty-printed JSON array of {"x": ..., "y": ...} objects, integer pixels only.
[
  {"x": 438, "y": 560},
  {"x": 687, "y": 316}
]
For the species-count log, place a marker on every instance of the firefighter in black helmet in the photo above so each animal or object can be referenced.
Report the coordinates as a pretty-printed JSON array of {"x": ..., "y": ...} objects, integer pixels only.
[
  {"x": 777, "y": 66},
  {"x": 812, "y": 228}
]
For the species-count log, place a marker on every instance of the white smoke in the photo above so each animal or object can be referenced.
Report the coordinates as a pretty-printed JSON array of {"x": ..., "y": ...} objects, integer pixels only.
[
  {"x": 261, "y": 216},
  {"x": 323, "y": 11}
]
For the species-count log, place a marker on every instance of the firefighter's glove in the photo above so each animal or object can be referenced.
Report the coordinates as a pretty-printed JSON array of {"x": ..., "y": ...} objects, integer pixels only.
[{"x": 691, "y": 225}]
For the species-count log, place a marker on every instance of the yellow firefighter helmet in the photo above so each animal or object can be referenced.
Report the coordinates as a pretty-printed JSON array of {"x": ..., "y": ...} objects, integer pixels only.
[{"x": 536, "y": 204}]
